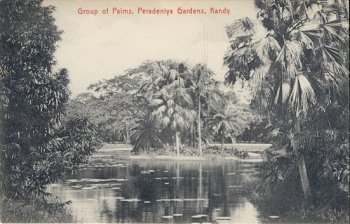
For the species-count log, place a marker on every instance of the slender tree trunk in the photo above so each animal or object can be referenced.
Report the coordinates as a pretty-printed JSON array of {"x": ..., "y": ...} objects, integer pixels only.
[
  {"x": 346, "y": 8},
  {"x": 199, "y": 127},
  {"x": 127, "y": 135},
  {"x": 177, "y": 143},
  {"x": 222, "y": 144},
  {"x": 304, "y": 179},
  {"x": 269, "y": 117},
  {"x": 192, "y": 135}
]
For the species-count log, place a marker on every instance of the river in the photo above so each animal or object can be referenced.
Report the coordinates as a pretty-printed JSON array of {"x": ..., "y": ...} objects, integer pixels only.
[{"x": 147, "y": 191}]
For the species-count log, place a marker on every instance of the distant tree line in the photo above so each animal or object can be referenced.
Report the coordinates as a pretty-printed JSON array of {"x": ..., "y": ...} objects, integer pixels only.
[{"x": 164, "y": 102}]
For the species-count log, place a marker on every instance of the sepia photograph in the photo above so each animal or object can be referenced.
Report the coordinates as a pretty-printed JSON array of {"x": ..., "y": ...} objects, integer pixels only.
[{"x": 174, "y": 111}]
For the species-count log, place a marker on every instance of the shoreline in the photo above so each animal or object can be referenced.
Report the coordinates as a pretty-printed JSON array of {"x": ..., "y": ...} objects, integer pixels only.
[
  {"x": 192, "y": 158},
  {"x": 123, "y": 152}
]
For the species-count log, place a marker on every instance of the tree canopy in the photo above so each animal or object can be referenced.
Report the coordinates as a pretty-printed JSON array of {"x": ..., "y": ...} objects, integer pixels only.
[
  {"x": 299, "y": 73},
  {"x": 32, "y": 98},
  {"x": 156, "y": 103}
]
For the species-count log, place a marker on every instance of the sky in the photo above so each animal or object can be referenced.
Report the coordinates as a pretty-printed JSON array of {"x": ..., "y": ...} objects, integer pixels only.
[{"x": 97, "y": 47}]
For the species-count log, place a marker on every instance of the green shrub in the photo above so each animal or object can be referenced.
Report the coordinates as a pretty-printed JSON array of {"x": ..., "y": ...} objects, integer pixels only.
[
  {"x": 225, "y": 151},
  {"x": 35, "y": 210}
]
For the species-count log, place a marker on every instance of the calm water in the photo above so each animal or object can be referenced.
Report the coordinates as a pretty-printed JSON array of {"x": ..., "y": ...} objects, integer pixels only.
[{"x": 160, "y": 192}]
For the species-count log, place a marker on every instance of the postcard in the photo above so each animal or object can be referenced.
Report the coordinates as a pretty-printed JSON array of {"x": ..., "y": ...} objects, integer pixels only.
[{"x": 174, "y": 111}]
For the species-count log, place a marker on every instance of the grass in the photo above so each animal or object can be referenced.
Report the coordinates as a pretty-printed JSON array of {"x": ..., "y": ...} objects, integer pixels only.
[{"x": 35, "y": 211}]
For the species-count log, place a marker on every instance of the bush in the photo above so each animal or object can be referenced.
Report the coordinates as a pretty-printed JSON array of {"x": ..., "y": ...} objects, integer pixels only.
[
  {"x": 166, "y": 150},
  {"x": 27, "y": 171},
  {"x": 225, "y": 151},
  {"x": 279, "y": 191},
  {"x": 186, "y": 150},
  {"x": 35, "y": 210}
]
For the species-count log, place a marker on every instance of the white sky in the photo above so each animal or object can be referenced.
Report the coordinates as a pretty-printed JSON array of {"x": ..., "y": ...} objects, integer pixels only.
[{"x": 101, "y": 46}]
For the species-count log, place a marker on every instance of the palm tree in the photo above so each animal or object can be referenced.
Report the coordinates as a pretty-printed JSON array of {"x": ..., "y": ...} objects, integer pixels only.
[
  {"x": 230, "y": 122},
  {"x": 299, "y": 65},
  {"x": 173, "y": 111},
  {"x": 204, "y": 89},
  {"x": 145, "y": 134},
  {"x": 170, "y": 99}
]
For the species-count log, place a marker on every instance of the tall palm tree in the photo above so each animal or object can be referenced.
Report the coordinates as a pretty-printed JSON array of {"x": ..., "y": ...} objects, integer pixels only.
[
  {"x": 300, "y": 63},
  {"x": 204, "y": 89},
  {"x": 173, "y": 111},
  {"x": 170, "y": 99}
]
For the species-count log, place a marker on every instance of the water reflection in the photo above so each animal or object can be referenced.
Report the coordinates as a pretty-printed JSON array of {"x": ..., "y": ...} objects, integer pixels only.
[{"x": 160, "y": 192}]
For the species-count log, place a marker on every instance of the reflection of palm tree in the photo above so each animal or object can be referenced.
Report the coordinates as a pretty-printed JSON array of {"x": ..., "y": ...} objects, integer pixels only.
[
  {"x": 200, "y": 188},
  {"x": 224, "y": 191},
  {"x": 177, "y": 179},
  {"x": 230, "y": 122},
  {"x": 106, "y": 211}
]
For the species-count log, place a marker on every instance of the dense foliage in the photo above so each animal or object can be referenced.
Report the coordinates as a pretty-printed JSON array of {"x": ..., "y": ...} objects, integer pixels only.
[
  {"x": 163, "y": 102},
  {"x": 299, "y": 74},
  {"x": 35, "y": 210},
  {"x": 35, "y": 147}
]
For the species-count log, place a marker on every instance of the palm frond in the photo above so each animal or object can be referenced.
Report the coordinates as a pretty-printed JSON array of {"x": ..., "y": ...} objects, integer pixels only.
[
  {"x": 261, "y": 72},
  {"x": 305, "y": 40},
  {"x": 302, "y": 94},
  {"x": 267, "y": 48},
  {"x": 243, "y": 26},
  {"x": 334, "y": 31},
  {"x": 283, "y": 92},
  {"x": 320, "y": 17},
  {"x": 331, "y": 54},
  {"x": 289, "y": 59},
  {"x": 145, "y": 134}
]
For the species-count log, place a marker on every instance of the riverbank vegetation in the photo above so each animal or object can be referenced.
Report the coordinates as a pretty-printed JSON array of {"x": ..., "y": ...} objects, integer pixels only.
[
  {"x": 36, "y": 146},
  {"x": 35, "y": 210},
  {"x": 299, "y": 73},
  {"x": 208, "y": 151}
]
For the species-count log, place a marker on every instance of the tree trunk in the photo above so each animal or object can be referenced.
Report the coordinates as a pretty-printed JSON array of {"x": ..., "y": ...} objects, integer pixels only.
[
  {"x": 192, "y": 135},
  {"x": 222, "y": 144},
  {"x": 199, "y": 127},
  {"x": 177, "y": 143},
  {"x": 127, "y": 135},
  {"x": 269, "y": 117},
  {"x": 304, "y": 179},
  {"x": 346, "y": 8}
]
